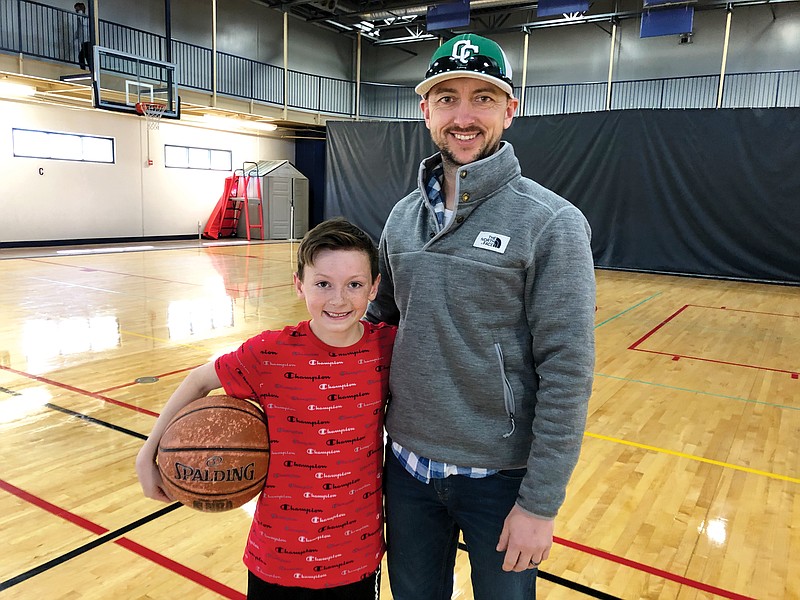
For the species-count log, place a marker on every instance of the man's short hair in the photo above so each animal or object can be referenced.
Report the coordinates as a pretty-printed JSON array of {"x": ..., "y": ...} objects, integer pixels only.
[
  {"x": 80, "y": 6},
  {"x": 335, "y": 234}
]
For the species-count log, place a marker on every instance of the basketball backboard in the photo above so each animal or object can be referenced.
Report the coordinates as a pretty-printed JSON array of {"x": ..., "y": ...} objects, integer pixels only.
[{"x": 121, "y": 80}]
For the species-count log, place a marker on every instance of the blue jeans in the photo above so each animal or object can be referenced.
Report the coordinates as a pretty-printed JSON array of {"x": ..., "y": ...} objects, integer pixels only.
[{"x": 422, "y": 526}]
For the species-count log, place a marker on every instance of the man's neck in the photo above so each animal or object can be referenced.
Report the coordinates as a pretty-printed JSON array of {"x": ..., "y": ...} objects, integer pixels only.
[
  {"x": 449, "y": 180},
  {"x": 449, "y": 186}
]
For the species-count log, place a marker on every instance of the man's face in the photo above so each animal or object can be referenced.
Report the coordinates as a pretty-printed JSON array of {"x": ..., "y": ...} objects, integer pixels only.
[{"x": 467, "y": 118}]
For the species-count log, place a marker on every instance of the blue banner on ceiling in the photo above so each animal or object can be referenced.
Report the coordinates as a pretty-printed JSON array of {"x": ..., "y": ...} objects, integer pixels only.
[
  {"x": 447, "y": 15},
  {"x": 547, "y": 8},
  {"x": 667, "y": 21}
]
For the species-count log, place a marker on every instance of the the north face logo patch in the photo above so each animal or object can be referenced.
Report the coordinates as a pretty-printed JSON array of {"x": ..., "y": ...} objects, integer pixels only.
[{"x": 495, "y": 242}]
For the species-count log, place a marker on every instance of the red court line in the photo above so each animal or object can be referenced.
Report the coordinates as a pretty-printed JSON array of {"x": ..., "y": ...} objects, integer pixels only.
[
  {"x": 52, "y": 508},
  {"x": 230, "y": 593},
  {"x": 676, "y": 355},
  {"x": 93, "y": 270},
  {"x": 108, "y": 271},
  {"x": 657, "y": 327},
  {"x": 651, "y": 570},
  {"x": 123, "y": 274},
  {"x": 160, "y": 375},
  {"x": 80, "y": 391},
  {"x": 744, "y": 310},
  {"x": 176, "y": 567},
  {"x": 258, "y": 289},
  {"x": 719, "y": 362},
  {"x": 144, "y": 552}
]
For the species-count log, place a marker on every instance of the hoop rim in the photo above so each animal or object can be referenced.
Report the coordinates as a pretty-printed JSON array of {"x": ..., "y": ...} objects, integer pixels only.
[{"x": 151, "y": 108}]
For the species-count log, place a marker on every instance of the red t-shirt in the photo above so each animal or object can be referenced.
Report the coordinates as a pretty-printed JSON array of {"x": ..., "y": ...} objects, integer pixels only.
[{"x": 319, "y": 520}]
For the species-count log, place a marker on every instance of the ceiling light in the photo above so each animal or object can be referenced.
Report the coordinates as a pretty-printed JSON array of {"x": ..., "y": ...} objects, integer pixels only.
[
  {"x": 9, "y": 89},
  {"x": 222, "y": 122},
  {"x": 337, "y": 24},
  {"x": 233, "y": 124},
  {"x": 406, "y": 39},
  {"x": 261, "y": 125}
]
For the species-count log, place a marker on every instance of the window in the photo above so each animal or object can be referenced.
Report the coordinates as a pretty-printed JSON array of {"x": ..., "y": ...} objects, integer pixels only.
[
  {"x": 62, "y": 146},
  {"x": 184, "y": 157}
]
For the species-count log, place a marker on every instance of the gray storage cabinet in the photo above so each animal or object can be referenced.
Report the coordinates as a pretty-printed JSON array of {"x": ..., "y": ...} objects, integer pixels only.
[{"x": 284, "y": 200}]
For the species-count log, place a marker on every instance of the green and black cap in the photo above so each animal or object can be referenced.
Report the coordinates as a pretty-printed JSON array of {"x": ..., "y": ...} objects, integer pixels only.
[{"x": 469, "y": 55}]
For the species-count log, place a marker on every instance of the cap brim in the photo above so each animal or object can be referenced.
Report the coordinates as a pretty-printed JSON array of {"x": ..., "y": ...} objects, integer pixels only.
[{"x": 423, "y": 88}]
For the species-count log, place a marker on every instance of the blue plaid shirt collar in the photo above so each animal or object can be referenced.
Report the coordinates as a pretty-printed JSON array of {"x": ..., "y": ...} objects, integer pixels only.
[{"x": 434, "y": 190}]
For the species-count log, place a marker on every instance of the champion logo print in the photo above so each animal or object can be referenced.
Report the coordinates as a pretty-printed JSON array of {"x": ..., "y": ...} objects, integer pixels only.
[{"x": 496, "y": 242}]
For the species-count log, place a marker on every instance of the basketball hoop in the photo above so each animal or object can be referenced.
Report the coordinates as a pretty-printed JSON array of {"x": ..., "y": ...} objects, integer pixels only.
[{"x": 152, "y": 111}]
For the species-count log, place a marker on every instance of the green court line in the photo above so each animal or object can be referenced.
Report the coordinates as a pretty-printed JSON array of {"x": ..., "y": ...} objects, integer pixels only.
[
  {"x": 680, "y": 389},
  {"x": 627, "y": 310}
]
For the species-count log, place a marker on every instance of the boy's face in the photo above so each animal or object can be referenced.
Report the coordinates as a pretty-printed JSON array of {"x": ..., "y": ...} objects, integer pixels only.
[{"x": 337, "y": 288}]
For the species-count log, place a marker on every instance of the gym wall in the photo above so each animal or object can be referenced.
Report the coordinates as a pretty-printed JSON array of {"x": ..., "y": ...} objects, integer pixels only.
[{"x": 73, "y": 200}]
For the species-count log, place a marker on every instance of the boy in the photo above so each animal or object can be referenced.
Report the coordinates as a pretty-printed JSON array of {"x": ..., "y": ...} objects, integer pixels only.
[{"x": 318, "y": 527}]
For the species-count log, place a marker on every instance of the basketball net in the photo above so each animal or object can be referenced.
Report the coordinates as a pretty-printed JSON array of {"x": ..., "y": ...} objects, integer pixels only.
[{"x": 152, "y": 112}]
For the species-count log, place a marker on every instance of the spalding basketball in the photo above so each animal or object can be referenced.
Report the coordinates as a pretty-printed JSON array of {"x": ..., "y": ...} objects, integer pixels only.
[{"x": 214, "y": 454}]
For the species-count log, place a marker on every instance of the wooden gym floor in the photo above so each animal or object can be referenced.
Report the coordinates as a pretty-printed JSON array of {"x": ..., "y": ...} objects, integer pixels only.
[{"x": 688, "y": 485}]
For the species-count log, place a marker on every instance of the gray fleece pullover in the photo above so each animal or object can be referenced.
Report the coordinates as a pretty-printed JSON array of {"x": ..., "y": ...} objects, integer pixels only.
[{"x": 494, "y": 355}]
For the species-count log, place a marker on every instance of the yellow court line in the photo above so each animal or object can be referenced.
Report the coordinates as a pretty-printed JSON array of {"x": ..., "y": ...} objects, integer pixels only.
[{"x": 693, "y": 457}]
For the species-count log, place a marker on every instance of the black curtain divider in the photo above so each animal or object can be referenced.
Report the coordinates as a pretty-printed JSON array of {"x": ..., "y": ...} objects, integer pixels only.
[
  {"x": 370, "y": 166},
  {"x": 698, "y": 192},
  {"x": 309, "y": 158}
]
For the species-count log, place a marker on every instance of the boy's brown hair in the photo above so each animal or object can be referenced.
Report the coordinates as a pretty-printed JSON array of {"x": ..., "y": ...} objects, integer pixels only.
[{"x": 335, "y": 234}]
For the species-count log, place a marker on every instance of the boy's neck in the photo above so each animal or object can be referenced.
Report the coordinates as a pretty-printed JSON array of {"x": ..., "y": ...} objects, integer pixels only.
[{"x": 338, "y": 339}]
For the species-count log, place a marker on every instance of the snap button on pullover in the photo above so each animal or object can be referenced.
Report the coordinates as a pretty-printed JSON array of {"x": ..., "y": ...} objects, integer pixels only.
[
  {"x": 463, "y": 174},
  {"x": 459, "y": 219},
  {"x": 465, "y": 197}
]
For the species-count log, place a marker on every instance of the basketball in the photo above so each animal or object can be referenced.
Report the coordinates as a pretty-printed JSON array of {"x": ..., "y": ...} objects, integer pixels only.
[{"x": 214, "y": 454}]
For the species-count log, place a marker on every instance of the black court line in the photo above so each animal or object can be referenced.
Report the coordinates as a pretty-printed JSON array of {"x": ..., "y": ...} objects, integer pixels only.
[
  {"x": 578, "y": 587},
  {"x": 108, "y": 537},
  {"x": 84, "y": 417},
  {"x": 114, "y": 534}
]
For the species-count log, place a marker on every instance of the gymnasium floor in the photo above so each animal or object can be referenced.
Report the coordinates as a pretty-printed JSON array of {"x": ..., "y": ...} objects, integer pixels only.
[{"x": 688, "y": 484}]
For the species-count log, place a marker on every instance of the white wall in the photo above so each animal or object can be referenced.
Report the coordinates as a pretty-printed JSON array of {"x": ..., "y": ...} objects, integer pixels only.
[{"x": 78, "y": 200}]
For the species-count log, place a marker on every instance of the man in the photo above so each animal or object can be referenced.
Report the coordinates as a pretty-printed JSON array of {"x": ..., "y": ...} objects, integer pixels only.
[
  {"x": 82, "y": 37},
  {"x": 491, "y": 280}
]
